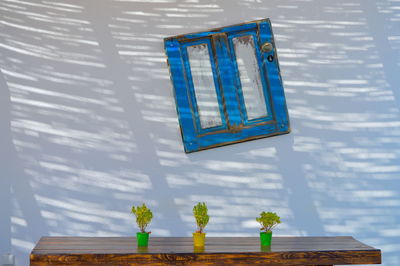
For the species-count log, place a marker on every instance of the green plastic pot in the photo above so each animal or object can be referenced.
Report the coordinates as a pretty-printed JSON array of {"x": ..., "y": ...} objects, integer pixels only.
[
  {"x": 142, "y": 239},
  {"x": 265, "y": 238}
]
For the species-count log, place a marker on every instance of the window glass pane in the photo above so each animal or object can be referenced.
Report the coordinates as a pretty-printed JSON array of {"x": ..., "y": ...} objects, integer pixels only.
[
  {"x": 250, "y": 79},
  {"x": 204, "y": 87}
]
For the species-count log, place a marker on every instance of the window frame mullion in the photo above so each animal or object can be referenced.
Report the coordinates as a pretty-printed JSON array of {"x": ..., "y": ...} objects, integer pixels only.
[{"x": 227, "y": 77}]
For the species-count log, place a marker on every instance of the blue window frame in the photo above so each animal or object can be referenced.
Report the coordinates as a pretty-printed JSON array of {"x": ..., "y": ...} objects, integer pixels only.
[{"x": 227, "y": 85}]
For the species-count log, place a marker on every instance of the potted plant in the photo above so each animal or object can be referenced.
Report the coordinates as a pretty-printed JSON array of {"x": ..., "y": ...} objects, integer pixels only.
[
  {"x": 200, "y": 213},
  {"x": 143, "y": 219},
  {"x": 268, "y": 220}
]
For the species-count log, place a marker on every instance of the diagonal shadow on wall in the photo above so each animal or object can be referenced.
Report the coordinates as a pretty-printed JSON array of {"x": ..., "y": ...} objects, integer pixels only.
[
  {"x": 118, "y": 72},
  {"x": 15, "y": 182}
]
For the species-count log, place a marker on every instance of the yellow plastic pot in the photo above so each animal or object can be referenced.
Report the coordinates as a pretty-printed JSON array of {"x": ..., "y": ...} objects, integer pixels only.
[{"x": 199, "y": 239}]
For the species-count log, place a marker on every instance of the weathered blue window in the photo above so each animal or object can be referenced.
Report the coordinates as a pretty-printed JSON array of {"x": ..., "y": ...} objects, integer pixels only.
[{"x": 227, "y": 85}]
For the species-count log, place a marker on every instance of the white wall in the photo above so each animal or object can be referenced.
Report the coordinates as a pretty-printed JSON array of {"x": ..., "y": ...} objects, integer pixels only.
[{"x": 89, "y": 127}]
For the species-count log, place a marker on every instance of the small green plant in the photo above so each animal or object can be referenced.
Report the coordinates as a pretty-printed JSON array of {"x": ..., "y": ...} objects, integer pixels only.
[
  {"x": 200, "y": 213},
  {"x": 268, "y": 220},
  {"x": 143, "y": 216}
]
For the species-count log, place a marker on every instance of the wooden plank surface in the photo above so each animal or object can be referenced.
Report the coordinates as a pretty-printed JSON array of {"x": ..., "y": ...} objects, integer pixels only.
[{"x": 218, "y": 251}]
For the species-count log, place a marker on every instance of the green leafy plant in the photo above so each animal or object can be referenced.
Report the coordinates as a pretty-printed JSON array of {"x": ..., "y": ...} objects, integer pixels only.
[
  {"x": 268, "y": 220},
  {"x": 200, "y": 212},
  {"x": 143, "y": 216}
]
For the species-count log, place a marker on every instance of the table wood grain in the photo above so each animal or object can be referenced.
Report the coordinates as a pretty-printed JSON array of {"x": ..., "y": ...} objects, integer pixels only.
[{"x": 341, "y": 250}]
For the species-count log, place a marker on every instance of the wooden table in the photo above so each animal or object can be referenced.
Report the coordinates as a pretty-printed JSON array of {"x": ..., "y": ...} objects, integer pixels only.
[{"x": 218, "y": 251}]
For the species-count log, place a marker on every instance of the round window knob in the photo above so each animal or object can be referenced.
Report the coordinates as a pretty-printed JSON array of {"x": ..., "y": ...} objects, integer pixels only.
[{"x": 267, "y": 47}]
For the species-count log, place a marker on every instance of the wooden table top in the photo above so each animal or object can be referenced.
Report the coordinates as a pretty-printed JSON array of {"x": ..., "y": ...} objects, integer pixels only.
[{"x": 218, "y": 251}]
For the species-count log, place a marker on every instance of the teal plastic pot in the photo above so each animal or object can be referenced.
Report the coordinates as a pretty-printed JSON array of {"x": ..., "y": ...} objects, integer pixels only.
[
  {"x": 265, "y": 238},
  {"x": 142, "y": 239}
]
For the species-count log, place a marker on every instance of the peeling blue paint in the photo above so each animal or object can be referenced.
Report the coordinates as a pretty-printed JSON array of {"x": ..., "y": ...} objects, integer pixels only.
[{"x": 236, "y": 127}]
